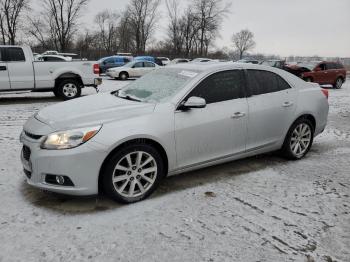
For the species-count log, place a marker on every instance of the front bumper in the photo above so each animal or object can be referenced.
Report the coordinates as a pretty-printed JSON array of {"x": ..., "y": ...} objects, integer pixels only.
[{"x": 81, "y": 164}]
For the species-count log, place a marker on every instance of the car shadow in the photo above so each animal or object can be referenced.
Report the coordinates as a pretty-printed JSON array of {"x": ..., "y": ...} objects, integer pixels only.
[
  {"x": 92, "y": 204},
  {"x": 10, "y": 100}
]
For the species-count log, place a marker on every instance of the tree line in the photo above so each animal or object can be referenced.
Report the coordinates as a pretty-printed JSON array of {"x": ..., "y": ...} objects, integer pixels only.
[{"x": 191, "y": 30}]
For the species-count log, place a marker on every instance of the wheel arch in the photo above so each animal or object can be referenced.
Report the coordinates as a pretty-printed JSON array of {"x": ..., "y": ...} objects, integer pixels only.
[
  {"x": 124, "y": 72},
  {"x": 142, "y": 140},
  {"x": 69, "y": 75},
  {"x": 308, "y": 116}
]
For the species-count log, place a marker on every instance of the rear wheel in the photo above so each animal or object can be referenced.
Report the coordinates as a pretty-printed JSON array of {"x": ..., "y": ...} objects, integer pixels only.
[
  {"x": 123, "y": 76},
  {"x": 338, "y": 83},
  {"x": 133, "y": 173},
  {"x": 68, "y": 89},
  {"x": 299, "y": 139}
]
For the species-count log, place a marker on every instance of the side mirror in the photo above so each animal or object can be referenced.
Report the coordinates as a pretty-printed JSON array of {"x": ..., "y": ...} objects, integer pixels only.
[
  {"x": 194, "y": 102},
  {"x": 318, "y": 69}
]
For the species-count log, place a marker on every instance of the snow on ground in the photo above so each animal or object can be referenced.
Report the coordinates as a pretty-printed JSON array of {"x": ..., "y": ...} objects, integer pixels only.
[{"x": 258, "y": 209}]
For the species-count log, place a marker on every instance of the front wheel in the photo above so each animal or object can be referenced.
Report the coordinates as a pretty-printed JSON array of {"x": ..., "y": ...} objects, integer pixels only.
[
  {"x": 133, "y": 173},
  {"x": 123, "y": 76},
  {"x": 299, "y": 139},
  {"x": 68, "y": 89}
]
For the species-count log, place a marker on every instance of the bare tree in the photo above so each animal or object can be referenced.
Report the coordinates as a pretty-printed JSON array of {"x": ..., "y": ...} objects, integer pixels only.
[
  {"x": 142, "y": 15},
  {"x": 126, "y": 33},
  {"x": 175, "y": 34},
  {"x": 243, "y": 41},
  {"x": 2, "y": 28},
  {"x": 10, "y": 11},
  {"x": 107, "y": 22},
  {"x": 58, "y": 22},
  {"x": 189, "y": 26},
  {"x": 210, "y": 14}
]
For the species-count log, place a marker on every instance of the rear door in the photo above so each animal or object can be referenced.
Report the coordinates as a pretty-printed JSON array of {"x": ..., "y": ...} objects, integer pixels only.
[
  {"x": 4, "y": 76},
  {"x": 272, "y": 104},
  {"x": 20, "y": 69},
  {"x": 148, "y": 67},
  {"x": 332, "y": 70}
]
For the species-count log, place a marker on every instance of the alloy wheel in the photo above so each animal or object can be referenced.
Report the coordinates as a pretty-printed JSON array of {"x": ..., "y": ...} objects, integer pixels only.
[
  {"x": 300, "y": 139},
  {"x": 134, "y": 174}
]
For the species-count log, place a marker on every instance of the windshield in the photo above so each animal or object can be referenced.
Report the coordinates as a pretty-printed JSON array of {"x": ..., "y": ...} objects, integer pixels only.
[
  {"x": 158, "y": 86},
  {"x": 308, "y": 65}
]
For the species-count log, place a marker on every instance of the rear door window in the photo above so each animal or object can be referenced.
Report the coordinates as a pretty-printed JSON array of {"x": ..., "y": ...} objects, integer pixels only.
[
  {"x": 148, "y": 64},
  {"x": 13, "y": 54},
  {"x": 138, "y": 65},
  {"x": 263, "y": 82},
  {"x": 222, "y": 86}
]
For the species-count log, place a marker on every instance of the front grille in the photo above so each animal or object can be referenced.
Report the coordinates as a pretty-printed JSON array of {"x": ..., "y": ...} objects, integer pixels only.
[
  {"x": 26, "y": 153},
  {"x": 32, "y": 136}
]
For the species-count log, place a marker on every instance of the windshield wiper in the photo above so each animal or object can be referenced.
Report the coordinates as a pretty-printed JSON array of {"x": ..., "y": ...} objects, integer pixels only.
[{"x": 127, "y": 97}]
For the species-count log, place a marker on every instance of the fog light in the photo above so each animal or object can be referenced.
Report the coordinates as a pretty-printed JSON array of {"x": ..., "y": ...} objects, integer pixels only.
[{"x": 60, "y": 180}]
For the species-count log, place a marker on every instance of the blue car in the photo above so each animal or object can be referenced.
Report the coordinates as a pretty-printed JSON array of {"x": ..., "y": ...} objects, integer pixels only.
[
  {"x": 149, "y": 59},
  {"x": 112, "y": 61}
]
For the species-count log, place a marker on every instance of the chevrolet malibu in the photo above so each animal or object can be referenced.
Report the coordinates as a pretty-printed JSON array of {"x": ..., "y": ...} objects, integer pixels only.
[{"x": 173, "y": 120}]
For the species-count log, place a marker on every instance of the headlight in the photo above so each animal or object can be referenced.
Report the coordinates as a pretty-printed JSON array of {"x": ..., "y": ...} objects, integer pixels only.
[{"x": 70, "y": 138}]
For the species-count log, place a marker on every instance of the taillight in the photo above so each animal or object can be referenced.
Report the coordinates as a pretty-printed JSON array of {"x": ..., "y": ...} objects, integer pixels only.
[
  {"x": 96, "y": 69},
  {"x": 325, "y": 92}
]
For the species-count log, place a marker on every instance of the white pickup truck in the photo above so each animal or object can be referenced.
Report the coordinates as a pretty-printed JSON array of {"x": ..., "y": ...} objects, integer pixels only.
[{"x": 19, "y": 71}]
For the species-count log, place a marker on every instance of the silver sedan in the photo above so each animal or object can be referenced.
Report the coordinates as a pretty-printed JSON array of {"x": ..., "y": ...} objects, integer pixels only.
[{"x": 173, "y": 120}]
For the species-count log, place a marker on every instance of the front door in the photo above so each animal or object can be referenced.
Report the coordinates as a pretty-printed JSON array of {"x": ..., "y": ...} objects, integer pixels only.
[
  {"x": 321, "y": 74},
  {"x": 136, "y": 70},
  {"x": 218, "y": 130}
]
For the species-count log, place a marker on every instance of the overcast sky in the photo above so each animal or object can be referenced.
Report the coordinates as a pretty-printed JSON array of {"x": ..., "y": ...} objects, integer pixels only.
[{"x": 283, "y": 27}]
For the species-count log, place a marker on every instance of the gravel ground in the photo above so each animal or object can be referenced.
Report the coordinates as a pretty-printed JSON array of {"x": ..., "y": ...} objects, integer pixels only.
[{"x": 258, "y": 209}]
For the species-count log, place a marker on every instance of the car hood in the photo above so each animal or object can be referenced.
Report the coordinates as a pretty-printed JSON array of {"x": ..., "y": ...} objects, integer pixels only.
[{"x": 91, "y": 110}]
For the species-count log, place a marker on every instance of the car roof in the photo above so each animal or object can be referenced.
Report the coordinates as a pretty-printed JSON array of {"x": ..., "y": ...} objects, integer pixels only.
[{"x": 216, "y": 66}]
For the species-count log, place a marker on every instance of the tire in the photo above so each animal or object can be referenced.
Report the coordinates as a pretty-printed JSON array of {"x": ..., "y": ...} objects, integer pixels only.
[
  {"x": 338, "y": 83},
  {"x": 299, "y": 139},
  {"x": 68, "y": 89},
  {"x": 308, "y": 79},
  {"x": 123, "y": 76},
  {"x": 128, "y": 183}
]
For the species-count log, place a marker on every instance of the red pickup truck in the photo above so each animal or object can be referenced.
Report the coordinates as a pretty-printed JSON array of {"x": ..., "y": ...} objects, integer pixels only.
[{"x": 323, "y": 73}]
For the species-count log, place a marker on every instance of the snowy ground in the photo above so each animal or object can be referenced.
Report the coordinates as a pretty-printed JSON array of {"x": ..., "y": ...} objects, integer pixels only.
[{"x": 258, "y": 209}]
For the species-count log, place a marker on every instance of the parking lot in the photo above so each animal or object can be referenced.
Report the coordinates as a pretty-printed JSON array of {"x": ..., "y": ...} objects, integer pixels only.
[{"x": 258, "y": 209}]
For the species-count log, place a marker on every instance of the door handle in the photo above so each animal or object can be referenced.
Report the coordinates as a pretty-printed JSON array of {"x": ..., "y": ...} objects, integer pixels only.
[
  {"x": 238, "y": 115},
  {"x": 287, "y": 104},
  {"x": 3, "y": 68}
]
